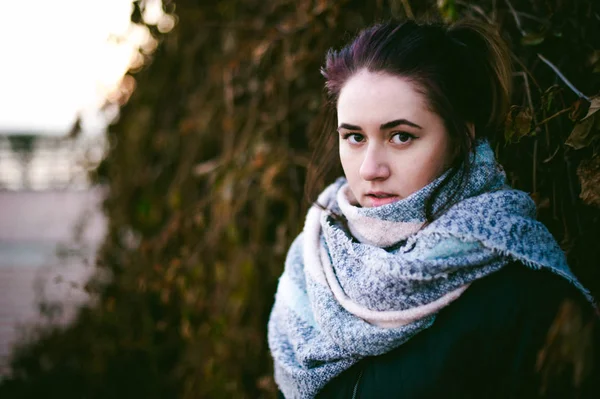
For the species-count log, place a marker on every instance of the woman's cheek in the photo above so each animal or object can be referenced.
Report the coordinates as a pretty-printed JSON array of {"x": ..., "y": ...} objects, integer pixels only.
[{"x": 350, "y": 160}]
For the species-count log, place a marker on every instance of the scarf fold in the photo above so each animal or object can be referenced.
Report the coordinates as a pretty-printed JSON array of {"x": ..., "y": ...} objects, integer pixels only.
[{"x": 364, "y": 282}]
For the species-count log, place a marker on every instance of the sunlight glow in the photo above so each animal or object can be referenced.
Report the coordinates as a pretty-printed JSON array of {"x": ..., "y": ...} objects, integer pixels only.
[{"x": 63, "y": 58}]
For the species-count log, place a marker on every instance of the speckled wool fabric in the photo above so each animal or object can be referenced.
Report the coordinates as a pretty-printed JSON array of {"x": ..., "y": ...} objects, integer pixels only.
[{"x": 365, "y": 286}]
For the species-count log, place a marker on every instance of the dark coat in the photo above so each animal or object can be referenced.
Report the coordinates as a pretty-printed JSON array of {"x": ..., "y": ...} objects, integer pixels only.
[{"x": 483, "y": 345}]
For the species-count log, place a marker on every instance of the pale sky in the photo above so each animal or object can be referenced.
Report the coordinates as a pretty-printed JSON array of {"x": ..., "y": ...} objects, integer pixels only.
[{"x": 57, "y": 60}]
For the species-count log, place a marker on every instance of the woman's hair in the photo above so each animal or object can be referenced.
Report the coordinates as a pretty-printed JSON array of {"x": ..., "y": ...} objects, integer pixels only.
[{"x": 463, "y": 71}]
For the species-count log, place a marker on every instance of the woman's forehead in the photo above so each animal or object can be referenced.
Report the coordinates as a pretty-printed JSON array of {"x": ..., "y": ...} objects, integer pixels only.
[{"x": 375, "y": 98}]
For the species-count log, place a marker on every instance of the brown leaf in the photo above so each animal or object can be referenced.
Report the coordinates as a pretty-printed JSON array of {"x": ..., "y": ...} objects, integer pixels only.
[
  {"x": 320, "y": 7},
  {"x": 569, "y": 342},
  {"x": 589, "y": 178},
  {"x": 540, "y": 201},
  {"x": 594, "y": 106},
  {"x": 186, "y": 331},
  {"x": 518, "y": 124},
  {"x": 578, "y": 109},
  {"x": 187, "y": 125},
  {"x": 594, "y": 60},
  {"x": 259, "y": 51},
  {"x": 582, "y": 135},
  {"x": 206, "y": 167}
]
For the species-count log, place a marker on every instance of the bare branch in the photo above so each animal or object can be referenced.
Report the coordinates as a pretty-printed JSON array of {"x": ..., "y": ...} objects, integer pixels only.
[
  {"x": 528, "y": 92},
  {"x": 533, "y": 17},
  {"x": 525, "y": 69},
  {"x": 475, "y": 8},
  {"x": 562, "y": 77},
  {"x": 408, "y": 9},
  {"x": 534, "y": 169},
  {"x": 516, "y": 17},
  {"x": 562, "y": 111}
]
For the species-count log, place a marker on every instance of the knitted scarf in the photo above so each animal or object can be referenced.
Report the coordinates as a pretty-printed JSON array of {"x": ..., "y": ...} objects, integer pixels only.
[{"x": 364, "y": 284}]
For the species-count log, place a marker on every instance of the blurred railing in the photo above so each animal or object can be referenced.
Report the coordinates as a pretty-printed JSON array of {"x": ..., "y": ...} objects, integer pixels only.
[
  {"x": 51, "y": 224},
  {"x": 38, "y": 162}
]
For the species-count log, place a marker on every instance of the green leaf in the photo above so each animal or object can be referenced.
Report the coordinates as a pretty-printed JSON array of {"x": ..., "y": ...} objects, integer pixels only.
[
  {"x": 533, "y": 39},
  {"x": 447, "y": 9},
  {"x": 549, "y": 96}
]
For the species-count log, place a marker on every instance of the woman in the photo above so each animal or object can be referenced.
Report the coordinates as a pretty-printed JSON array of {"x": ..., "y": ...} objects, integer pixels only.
[{"x": 421, "y": 273}]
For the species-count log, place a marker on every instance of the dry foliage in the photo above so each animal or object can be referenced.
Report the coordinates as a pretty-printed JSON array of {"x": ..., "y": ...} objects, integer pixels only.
[{"x": 206, "y": 174}]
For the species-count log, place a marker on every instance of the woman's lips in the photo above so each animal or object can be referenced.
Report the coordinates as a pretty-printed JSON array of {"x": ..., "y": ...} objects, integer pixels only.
[{"x": 380, "y": 198}]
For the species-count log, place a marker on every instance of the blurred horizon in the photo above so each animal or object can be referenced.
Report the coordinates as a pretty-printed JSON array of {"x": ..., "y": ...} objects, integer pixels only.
[
  {"x": 64, "y": 84},
  {"x": 66, "y": 58}
]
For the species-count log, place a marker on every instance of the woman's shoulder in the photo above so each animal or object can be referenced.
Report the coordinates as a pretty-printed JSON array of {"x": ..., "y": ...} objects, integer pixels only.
[
  {"x": 506, "y": 306},
  {"x": 484, "y": 343},
  {"x": 514, "y": 290}
]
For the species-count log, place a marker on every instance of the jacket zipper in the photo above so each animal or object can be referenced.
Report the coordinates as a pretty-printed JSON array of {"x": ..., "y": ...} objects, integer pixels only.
[{"x": 355, "y": 391}]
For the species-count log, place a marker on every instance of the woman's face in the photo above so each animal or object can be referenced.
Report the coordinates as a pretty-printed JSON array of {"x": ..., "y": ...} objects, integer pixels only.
[{"x": 391, "y": 144}]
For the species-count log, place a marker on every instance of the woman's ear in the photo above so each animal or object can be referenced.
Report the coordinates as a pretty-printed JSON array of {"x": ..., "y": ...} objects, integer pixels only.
[{"x": 471, "y": 128}]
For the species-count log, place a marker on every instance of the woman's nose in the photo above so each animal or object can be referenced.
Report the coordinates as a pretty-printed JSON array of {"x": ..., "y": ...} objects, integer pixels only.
[{"x": 374, "y": 165}]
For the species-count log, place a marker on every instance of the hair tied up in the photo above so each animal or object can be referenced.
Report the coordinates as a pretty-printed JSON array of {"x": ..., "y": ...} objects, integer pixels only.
[{"x": 463, "y": 71}]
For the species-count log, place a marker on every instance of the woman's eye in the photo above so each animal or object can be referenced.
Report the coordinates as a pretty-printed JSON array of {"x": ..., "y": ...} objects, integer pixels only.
[
  {"x": 402, "y": 138},
  {"x": 354, "y": 138}
]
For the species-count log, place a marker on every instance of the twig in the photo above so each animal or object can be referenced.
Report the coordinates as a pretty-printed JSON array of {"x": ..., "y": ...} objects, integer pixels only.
[
  {"x": 554, "y": 204},
  {"x": 547, "y": 134},
  {"x": 534, "y": 171},
  {"x": 525, "y": 69},
  {"x": 572, "y": 191},
  {"x": 206, "y": 167},
  {"x": 408, "y": 9},
  {"x": 562, "y": 77},
  {"x": 562, "y": 111},
  {"x": 533, "y": 17},
  {"x": 535, "y": 142},
  {"x": 516, "y": 17},
  {"x": 528, "y": 92},
  {"x": 551, "y": 157},
  {"x": 475, "y": 8}
]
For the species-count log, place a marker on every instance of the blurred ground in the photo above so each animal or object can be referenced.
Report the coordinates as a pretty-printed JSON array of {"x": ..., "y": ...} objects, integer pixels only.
[{"x": 47, "y": 242}]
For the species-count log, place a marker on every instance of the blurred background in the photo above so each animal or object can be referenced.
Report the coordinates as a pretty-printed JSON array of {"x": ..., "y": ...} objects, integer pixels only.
[{"x": 152, "y": 162}]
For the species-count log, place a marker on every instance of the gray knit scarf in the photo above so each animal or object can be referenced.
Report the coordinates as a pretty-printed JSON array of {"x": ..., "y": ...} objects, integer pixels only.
[{"x": 364, "y": 287}]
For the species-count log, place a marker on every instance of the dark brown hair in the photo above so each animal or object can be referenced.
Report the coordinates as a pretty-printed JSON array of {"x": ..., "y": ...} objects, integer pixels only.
[{"x": 463, "y": 70}]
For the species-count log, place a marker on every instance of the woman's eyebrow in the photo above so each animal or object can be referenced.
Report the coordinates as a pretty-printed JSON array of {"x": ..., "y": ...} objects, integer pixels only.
[
  {"x": 398, "y": 122},
  {"x": 385, "y": 126},
  {"x": 349, "y": 127}
]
